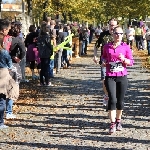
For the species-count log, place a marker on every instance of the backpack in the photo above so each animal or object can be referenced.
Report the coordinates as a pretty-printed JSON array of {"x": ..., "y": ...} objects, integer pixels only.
[
  {"x": 17, "y": 49},
  {"x": 32, "y": 53},
  {"x": 7, "y": 42},
  {"x": 57, "y": 34},
  {"x": 44, "y": 46},
  {"x": 85, "y": 35}
]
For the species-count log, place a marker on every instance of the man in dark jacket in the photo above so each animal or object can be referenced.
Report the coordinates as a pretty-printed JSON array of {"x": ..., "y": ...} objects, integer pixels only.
[
  {"x": 17, "y": 49},
  {"x": 104, "y": 38},
  {"x": 92, "y": 30}
]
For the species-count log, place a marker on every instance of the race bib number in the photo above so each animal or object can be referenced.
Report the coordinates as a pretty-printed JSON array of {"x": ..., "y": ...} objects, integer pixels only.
[{"x": 116, "y": 66}]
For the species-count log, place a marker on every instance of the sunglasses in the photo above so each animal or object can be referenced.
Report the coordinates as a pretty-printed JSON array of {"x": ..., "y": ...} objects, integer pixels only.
[
  {"x": 112, "y": 25},
  {"x": 116, "y": 33}
]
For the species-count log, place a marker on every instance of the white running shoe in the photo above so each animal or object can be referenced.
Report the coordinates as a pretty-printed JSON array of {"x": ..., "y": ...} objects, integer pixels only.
[
  {"x": 10, "y": 116},
  {"x": 34, "y": 77},
  {"x": 3, "y": 126},
  {"x": 105, "y": 100},
  {"x": 49, "y": 84},
  {"x": 24, "y": 80}
]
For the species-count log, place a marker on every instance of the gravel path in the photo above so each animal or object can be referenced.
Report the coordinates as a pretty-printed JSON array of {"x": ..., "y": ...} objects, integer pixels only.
[{"x": 70, "y": 115}]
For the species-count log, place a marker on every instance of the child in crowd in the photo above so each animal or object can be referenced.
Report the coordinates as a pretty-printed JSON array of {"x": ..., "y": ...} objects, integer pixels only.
[{"x": 33, "y": 58}]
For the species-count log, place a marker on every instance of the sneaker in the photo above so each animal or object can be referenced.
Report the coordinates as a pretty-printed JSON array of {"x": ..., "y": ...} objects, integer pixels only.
[
  {"x": 34, "y": 77},
  {"x": 24, "y": 80},
  {"x": 118, "y": 126},
  {"x": 69, "y": 67},
  {"x": 112, "y": 128},
  {"x": 41, "y": 84},
  {"x": 3, "y": 126},
  {"x": 105, "y": 100},
  {"x": 10, "y": 116},
  {"x": 49, "y": 84},
  {"x": 57, "y": 71},
  {"x": 65, "y": 65}
]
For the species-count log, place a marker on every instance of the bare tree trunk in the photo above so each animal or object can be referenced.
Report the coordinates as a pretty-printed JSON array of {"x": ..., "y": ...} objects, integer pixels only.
[
  {"x": 29, "y": 3},
  {"x": 0, "y": 9},
  {"x": 44, "y": 14},
  {"x": 22, "y": 6}
]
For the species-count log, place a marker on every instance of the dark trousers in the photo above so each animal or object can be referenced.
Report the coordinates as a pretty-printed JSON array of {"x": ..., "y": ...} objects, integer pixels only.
[
  {"x": 58, "y": 60},
  {"x": 65, "y": 58},
  {"x": 116, "y": 88},
  {"x": 148, "y": 46},
  {"x": 84, "y": 47},
  {"x": 139, "y": 41},
  {"x": 51, "y": 67},
  {"x": 130, "y": 43},
  {"x": 90, "y": 38},
  {"x": 45, "y": 62},
  {"x": 2, "y": 108}
]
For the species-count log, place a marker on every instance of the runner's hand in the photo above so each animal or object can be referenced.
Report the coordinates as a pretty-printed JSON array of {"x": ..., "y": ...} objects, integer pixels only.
[
  {"x": 121, "y": 56},
  {"x": 17, "y": 59},
  {"x": 103, "y": 64}
]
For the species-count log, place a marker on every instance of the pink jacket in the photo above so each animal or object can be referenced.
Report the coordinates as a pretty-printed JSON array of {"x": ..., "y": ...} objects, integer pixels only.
[{"x": 114, "y": 66}]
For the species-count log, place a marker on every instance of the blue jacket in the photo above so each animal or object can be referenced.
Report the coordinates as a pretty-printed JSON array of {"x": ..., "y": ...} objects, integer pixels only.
[{"x": 5, "y": 59}]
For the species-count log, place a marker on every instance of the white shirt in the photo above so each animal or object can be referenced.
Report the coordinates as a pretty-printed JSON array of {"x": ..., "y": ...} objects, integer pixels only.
[
  {"x": 98, "y": 31},
  {"x": 130, "y": 33}
]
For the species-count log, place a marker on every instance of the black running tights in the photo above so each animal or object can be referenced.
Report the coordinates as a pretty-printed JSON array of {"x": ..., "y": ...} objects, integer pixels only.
[{"x": 116, "y": 88}]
